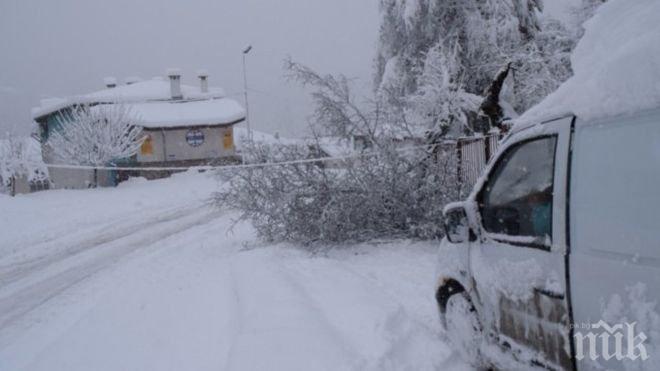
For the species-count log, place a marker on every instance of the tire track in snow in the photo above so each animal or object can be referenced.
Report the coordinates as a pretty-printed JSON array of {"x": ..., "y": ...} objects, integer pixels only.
[
  {"x": 24, "y": 295},
  {"x": 403, "y": 339},
  {"x": 277, "y": 320},
  {"x": 14, "y": 271},
  {"x": 239, "y": 320}
]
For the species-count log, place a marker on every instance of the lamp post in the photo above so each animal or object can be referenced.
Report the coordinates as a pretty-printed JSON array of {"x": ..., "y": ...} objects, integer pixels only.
[{"x": 245, "y": 86}]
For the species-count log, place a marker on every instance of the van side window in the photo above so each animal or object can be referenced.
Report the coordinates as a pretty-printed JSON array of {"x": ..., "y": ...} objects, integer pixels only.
[{"x": 517, "y": 198}]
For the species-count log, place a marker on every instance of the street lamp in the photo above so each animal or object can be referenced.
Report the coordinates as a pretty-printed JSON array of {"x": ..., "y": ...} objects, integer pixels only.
[{"x": 245, "y": 86}]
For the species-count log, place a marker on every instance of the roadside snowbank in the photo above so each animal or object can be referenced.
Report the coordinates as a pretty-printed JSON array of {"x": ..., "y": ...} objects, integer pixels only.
[{"x": 616, "y": 65}]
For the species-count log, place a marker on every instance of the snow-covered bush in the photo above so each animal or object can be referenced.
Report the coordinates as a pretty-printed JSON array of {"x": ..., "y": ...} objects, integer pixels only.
[
  {"x": 95, "y": 135},
  {"x": 383, "y": 190}
]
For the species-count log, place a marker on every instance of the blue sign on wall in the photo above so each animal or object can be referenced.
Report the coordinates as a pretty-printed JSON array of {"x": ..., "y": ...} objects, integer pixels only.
[{"x": 195, "y": 137}]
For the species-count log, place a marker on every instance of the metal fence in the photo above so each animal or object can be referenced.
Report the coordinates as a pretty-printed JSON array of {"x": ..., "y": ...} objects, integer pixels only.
[{"x": 473, "y": 154}]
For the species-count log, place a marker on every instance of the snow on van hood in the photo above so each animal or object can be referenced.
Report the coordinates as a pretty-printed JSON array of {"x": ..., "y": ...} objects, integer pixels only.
[{"x": 616, "y": 65}]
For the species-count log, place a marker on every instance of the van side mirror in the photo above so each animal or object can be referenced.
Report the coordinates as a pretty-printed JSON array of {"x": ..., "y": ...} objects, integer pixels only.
[{"x": 457, "y": 227}]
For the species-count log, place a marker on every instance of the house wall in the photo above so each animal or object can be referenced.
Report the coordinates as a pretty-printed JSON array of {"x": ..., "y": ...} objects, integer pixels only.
[{"x": 171, "y": 145}]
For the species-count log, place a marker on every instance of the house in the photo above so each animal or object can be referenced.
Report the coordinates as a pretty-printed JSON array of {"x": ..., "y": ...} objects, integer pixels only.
[{"x": 183, "y": 126}]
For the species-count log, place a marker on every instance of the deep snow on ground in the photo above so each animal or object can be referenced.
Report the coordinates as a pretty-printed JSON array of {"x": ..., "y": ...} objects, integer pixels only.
[{"x": 149, "y": 275}]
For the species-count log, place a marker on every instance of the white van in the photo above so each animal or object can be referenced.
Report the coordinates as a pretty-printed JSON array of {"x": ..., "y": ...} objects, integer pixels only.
[{"x": 554, "y": 259}]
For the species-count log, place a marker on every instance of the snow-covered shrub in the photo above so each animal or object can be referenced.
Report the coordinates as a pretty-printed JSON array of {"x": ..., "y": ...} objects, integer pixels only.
[{"x": 96, "y": 135}]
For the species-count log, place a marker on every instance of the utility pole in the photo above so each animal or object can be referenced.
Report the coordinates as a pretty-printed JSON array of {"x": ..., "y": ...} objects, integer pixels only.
[{"x": 245, "y": 86}]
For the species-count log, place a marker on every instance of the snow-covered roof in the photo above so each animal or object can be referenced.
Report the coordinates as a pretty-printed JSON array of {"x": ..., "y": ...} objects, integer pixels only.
[
  {"x": 157, "y": 89},
  {"x": 616, "y": 66},
  {"x": 187, "y": 113}
]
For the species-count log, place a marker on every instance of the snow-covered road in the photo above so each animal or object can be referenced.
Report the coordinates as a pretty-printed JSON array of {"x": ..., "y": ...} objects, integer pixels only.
[{"x": 151, "y": 276}]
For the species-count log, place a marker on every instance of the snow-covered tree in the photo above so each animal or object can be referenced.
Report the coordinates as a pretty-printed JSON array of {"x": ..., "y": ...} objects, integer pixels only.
[
  {"x": 441, "y": 104},
  {"x": 20, "y": 157},
  {"x": 484, "y": 30},
  {"x": 12, "y": 161},
  {"x": 441, "y": 54},
  {"x": 541, "y": 64},
  {"x": 337, "y": 113},
  {"x": 382, "y": 192},
  {"x": 96, "y": 135}
]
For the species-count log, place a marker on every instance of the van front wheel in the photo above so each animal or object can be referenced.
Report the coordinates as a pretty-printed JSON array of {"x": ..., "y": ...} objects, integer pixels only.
[{"x": 463, "y": 327}]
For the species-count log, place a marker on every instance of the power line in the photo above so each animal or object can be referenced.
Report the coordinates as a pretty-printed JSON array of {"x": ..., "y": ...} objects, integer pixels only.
[{"x": 225, "y": 167}]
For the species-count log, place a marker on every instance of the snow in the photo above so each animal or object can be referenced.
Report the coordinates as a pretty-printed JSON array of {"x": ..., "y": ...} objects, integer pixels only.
[
  {"x": 191, "y": 113},
  {"x": 132, "y": 80},
  {"x": 260, "y": 137},
  {"x": 411, "y": 9},
  {"x": 616, "y": 65},
  {"x": 636, "y": 308},
  {"x": 335, "y": 146},
  {"x": 31, "y": 162},
  {"x": 391, "y": 73},
  {"x": 560, "y": 10},
  {"x": 173, "y": 71},
  {"x": 149, "y": 275},
  {"x": 514, "y": 280},
  {"x": 156, "y": 89},
  {"x": 151, "y": 102},
  {"x": 109, "y": 81}
]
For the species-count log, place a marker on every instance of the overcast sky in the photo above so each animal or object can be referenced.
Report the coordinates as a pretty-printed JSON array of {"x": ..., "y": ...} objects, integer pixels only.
[{"x": 65, "y": 47}]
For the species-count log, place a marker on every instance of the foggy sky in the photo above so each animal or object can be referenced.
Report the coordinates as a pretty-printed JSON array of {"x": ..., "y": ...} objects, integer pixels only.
[{"x": 66, "y": 47}]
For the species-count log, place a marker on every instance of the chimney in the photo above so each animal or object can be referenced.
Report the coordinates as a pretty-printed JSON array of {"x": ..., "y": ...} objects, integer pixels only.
[
  {"x": 175, "y": 83},
  {"x": 110, "y": 82},
  {"x": 203, "y": 80}
]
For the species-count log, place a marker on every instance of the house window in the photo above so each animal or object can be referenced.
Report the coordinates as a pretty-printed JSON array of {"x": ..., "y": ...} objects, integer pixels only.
[
  {"x": 147, "y": 147},
  {"x": 228, "y": 139}
]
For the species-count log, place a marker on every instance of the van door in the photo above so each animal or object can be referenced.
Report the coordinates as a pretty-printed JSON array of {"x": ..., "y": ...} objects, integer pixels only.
[
  {"x": 615, "y": 242},
  {"x": 518, "y": 264}
]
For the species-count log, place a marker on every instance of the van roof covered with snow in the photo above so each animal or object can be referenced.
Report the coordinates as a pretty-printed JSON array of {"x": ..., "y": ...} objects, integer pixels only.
[{"x": 616, "y": 67}]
